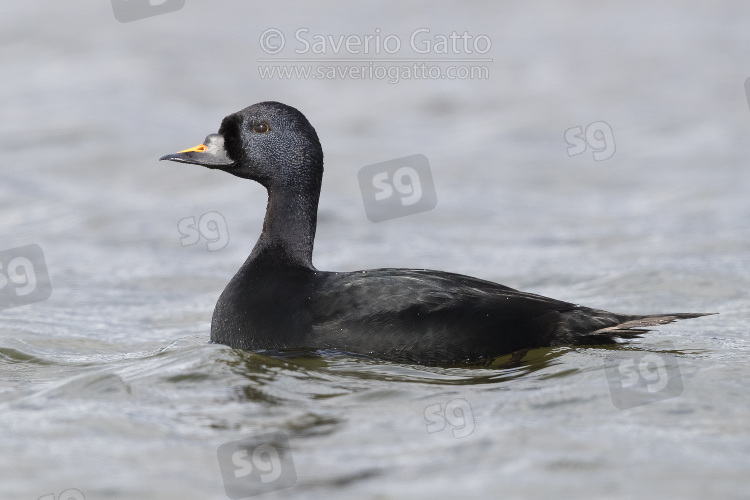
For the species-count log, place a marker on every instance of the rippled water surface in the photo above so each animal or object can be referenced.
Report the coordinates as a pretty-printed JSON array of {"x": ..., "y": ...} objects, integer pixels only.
[{"x": 109, "y": 388}]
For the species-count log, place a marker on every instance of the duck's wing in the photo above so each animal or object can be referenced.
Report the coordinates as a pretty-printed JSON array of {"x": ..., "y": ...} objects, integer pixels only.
[{"x": 412, "y": 314}]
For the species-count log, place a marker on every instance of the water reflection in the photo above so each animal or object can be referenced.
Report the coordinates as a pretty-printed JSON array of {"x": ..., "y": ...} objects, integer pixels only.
[{"x": 329, "y": 366}]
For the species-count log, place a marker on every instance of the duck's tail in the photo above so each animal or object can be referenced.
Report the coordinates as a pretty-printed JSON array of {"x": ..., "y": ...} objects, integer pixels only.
[
  {"x": 602, "y": 327},
  {"x": 639, "y": 325}
]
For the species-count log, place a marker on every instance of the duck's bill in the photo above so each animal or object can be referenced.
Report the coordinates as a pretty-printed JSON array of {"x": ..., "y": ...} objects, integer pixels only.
[{"x": 209, "y": 154}]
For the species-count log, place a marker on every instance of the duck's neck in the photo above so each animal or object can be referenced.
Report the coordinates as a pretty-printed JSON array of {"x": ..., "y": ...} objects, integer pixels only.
[{"x": 289, "y": 227}]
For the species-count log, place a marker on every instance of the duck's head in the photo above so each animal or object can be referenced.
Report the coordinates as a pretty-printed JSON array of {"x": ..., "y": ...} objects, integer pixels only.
[{"x": 269, "y": 142}]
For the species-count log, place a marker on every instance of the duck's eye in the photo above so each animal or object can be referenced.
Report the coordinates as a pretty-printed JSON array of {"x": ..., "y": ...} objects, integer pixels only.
[{"x": 261, "y": 128}]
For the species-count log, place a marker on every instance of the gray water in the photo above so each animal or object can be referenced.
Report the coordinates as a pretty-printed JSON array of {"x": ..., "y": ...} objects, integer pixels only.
[{"x": 109, "y": 388}]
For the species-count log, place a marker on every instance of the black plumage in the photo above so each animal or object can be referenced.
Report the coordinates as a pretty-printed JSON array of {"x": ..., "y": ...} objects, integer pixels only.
[{"x": 278, "y": 300}]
